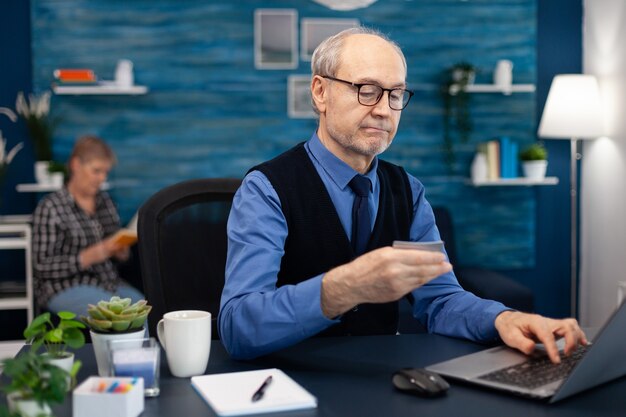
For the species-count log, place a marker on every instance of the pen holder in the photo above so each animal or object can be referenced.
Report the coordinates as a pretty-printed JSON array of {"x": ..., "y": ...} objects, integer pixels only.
[
  {"x": 106, "y": 397},
  {"x": 137, "y": 358}
]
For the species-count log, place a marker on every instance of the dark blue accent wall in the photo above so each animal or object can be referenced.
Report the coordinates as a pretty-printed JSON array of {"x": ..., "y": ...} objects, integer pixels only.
[
  {"x": 210, "y": 113},
  {"x": 15, "y": 75}
]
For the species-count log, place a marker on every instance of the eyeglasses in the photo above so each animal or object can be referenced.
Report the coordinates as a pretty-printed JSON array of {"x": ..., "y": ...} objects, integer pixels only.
[{"x": 370, "y": 94}]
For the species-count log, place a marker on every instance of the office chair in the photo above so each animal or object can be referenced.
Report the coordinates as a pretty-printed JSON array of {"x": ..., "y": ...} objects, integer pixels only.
[
  {"x": 182, "y": 246},
  {"x": 483, "y": 282}
]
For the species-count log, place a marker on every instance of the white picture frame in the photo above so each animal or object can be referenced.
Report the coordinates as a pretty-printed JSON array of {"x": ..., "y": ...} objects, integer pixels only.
[
  {"x": 299, "y": 97},
  {"x": 315, "y": 30},
  {"x": 275, "y": 38}
]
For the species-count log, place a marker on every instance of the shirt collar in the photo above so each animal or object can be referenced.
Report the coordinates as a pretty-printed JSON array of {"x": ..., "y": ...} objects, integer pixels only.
[
  {"x": 338, "y": 171},
  {"x": 69, "y": 198}
]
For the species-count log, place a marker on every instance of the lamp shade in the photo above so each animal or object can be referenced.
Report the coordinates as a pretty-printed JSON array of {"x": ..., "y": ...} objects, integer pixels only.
[{"x": 573, "y": 108}]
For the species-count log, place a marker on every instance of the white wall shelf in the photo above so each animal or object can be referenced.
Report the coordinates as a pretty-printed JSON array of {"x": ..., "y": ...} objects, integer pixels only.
[
  {"x": 99, "y": 89},
  {"x": 18, "y": 236},
  {"x": 492, "y": 88},
  {"x": 16, "y": 218},
  {"x": 520, "y": 181},
  {"x": 47, "y": 188}
]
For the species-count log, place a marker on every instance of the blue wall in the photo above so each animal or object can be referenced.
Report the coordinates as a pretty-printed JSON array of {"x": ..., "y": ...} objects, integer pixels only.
[
  {"x": 15, "y": 75},
  {"x": 194, "y": 54},
  {"x": 211, "y": 113}
]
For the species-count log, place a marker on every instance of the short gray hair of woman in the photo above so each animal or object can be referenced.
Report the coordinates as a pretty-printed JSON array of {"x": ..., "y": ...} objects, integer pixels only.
[
  {"x": 327, "y": 56},
  {"x": 88, "y": 148}
]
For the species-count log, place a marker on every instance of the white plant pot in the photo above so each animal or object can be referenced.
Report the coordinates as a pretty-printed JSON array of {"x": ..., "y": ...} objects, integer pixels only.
[
  {"x": 101, "y": 347},
  {"x": 42, "y": 175},
  {"x": 535, "y": 170},
  {"x": 56, "y": 179},
  {"x": 26, "y": 408},
  {"x": 459, "y": 75},
  {"x": 64, "y": 363}
]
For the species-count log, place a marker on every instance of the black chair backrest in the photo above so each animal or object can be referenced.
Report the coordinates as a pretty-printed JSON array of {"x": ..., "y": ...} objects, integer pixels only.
[
  {"x": 446, "y": 230},
  {"x": 182, "y": 246}
]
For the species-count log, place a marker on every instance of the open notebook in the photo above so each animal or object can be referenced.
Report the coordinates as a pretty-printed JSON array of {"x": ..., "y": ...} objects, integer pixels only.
[{"x": 230, "y": 394}]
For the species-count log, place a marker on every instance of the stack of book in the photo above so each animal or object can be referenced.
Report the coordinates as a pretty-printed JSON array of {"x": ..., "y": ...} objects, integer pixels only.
[
  {"x": 74, "y": 76},
  {"x": 501, "y": 158}
]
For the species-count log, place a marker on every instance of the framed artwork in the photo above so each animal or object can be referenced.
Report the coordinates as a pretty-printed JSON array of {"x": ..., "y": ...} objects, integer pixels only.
[
  {"x": 275, "y": 38},
  {"x": 299, "y": 97},
  {"x": 314, "y": 31}
]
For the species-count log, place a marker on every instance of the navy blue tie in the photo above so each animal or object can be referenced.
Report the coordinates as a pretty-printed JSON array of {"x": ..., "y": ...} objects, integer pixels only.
[{"x": 361, "y": 224}]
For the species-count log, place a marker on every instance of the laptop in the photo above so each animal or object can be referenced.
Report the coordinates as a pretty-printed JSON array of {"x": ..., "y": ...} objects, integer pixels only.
[{"x": 507, "y": 369}]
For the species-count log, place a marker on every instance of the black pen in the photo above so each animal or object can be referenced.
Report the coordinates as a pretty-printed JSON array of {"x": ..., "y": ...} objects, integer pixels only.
[{"x": 258, "y": 394}]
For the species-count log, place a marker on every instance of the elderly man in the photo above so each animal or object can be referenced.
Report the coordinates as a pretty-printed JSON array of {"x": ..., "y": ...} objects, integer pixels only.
[{"x": 310, "y": 232}]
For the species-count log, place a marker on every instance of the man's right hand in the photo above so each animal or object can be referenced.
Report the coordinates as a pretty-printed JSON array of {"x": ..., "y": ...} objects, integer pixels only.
[{"x": 380, "y": 276}]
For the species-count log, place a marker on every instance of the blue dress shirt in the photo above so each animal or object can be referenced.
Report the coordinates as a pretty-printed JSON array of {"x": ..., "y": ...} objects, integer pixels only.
[{"x": 257, "y": 318}]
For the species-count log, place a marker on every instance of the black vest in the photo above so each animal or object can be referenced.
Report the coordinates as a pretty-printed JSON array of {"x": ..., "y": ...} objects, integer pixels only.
[{"x": 316, "y": 240}]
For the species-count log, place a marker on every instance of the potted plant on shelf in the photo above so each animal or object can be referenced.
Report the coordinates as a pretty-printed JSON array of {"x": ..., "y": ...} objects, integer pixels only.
[
  {"x": 36, "y": 113},
  {"x": 456, "y": 113},
  {"x": 56, "y": 338},
  {"x": 5, "y": 159},
  {"x": 115, "y": 319},
  {"x": 34, "y": 385},
  {"x": 534, "y": 161}
]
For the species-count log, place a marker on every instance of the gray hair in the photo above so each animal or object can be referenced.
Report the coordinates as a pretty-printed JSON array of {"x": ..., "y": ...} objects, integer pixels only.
[
  {"x": 90, "y": 147},
  {"x": 326, "y": 57}
]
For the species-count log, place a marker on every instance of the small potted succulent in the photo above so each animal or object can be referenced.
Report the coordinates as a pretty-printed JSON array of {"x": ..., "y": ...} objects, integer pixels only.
[
  {"x": 34, "y": 385},
  {"x": 115, "y": 319},
  {"x": 534, "y": 161},
  {"x": 56, "y": 339}
]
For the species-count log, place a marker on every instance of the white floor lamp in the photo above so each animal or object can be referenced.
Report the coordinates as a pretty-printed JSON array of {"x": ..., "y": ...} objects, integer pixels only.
[{"x": 573, "y": 111}]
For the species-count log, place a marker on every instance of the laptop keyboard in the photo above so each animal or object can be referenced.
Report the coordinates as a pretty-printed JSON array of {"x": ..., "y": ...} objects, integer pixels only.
[{"x": 537, "y": 371}]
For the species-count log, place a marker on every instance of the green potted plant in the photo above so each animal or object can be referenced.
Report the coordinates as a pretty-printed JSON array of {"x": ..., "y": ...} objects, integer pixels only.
[
  {"x": 56, "y": 338},
  {"x": 456, "y": 102},
  {"x": 115, "y": 319},
  {"x": 58, "y": 173},
  {"x": 34, "y": 385},
  {"x": 5, "y": 159},
  {"x": 35, "y": 111},
  {"x": 534, "y": 161}
]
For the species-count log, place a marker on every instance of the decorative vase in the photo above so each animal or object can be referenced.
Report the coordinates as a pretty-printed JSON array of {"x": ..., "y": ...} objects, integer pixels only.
[
  {"x": 503, "y": 74},
  {"x": 42, "y": 173},
  {"x": 26, "y": 408},
  {"x": 535, "y": 170},
  {"x": 101, "y": 347},
  {"x": 479, "y": 168}
]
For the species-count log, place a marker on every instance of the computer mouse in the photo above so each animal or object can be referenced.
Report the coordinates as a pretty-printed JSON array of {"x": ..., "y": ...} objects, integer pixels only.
[{"x": 419, "y": 382}]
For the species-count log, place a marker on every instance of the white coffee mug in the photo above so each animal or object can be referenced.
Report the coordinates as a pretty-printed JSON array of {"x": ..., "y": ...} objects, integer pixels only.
[{"x": 186, "y": 338}]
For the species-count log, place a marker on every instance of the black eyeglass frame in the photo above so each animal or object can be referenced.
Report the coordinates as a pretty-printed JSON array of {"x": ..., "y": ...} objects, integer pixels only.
[{"x": 389, "y": 90}]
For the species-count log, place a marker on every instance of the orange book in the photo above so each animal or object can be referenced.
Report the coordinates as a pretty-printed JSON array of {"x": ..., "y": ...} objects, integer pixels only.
[
  {"x": 125, "y": 237},
  {"x": 79, "y": 75}
]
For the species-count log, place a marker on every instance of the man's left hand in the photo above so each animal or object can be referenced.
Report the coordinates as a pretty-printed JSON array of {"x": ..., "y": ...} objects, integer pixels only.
[{"x": 522, "y": 331}]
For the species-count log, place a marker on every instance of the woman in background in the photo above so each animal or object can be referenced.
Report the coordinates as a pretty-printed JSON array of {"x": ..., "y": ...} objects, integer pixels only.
[{"x": 74, "y": 256}]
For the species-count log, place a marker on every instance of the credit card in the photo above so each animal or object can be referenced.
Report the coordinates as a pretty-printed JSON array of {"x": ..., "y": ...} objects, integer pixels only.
[{"x": 435, "y": 246}]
